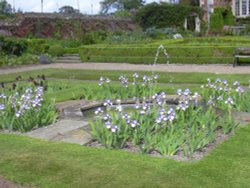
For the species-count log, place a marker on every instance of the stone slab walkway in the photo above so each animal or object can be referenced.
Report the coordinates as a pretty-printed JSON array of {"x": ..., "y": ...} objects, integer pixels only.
[{"x": 209, "y": 68}]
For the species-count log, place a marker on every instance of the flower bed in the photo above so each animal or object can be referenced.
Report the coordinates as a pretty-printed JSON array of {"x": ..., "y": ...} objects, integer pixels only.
[
  {"x": 24, "y": 106},
  {"x": 186, "y": 128}
]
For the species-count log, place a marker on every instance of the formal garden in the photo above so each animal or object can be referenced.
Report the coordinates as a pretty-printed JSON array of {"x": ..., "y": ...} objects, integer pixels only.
[{"x": 69, "y": 127}]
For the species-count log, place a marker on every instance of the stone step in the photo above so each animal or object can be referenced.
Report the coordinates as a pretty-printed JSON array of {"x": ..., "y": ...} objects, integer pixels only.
[
  {"x": 67, "y": 61},
  {"x": 69, "y": 58},
  {"x": 71, "y": 131},
  {"x": 67, "y": 55}
]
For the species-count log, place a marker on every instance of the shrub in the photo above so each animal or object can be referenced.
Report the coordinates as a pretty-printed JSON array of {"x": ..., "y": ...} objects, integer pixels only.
[
  {"x": 13, "y": 46},
  {"x": 216, "y": 23},
  {"x": 56, "y": 51},
  {"x": 164, "y": 15},
  {"x": 37, "y": 46}
]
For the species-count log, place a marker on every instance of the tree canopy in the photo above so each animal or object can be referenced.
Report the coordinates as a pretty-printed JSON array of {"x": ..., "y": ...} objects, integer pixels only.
[
  {"x": 164, "y": 15},
  {"x": 68, "y": 10},
  {"x": 126, "y": 5},
  {"x": 5, "y": 7}
]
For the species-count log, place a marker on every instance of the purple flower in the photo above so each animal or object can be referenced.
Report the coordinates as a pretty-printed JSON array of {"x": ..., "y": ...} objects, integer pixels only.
[
  {"x": 114, "y": 128},
  {"x": 210, "y": 102},
  {"x": 2, "y": 96},
  {"x": 220, "y": 98},
  {"x": 2, "y": 106},
  {"x": 239, "y": 89},
  {"x": 134, "y": 123},
  {"x": 137, "y": 106},
  {"x": 186, "y": 92},
  {"x": 162, "y": 111},
  {"x": 155, "y": 96},
  {"x": 108, "y": 125},
  {"x": 135, "y": 75},
  {"x": 18, "y": 113},
  {"x": 106, "y": 117},
  {"x": 229, "y": 101},
  {"x": 108, "y": 103},
  {"x": 218, "y": 80},
  {"x": 28, "y": 90},
  {"x": 196, "y": 95},
  {"x": 98, "y": 111},
  {"x": 179, "y": 91},
  {"x": 183, "y": 105},
  {"x": 126, "y": 116},
  {"x": 158, "y": 120},
  {"x": 236, "y": 83}
]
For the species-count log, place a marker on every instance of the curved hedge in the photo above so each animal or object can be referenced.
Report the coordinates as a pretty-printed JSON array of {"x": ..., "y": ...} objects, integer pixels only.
[{"x": 146, "y": 55}]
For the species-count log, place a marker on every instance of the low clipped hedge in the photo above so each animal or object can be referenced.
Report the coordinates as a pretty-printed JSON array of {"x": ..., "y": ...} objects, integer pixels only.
[
  {"x": 56, "y": 50},
  {"x": 146, "y": 55}
]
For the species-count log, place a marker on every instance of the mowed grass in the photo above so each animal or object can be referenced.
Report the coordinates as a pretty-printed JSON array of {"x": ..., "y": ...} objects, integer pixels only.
[
  {"x": 164, "y": 77},
  {"x": 52, "y": 164},
  {"x": 73, "y": 84}
]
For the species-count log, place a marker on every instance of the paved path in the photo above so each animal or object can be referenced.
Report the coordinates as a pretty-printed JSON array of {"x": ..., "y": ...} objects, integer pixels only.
[{"x": 219, "y": 69}]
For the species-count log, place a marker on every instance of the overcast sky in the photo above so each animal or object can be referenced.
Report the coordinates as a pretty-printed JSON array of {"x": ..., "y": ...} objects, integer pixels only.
[{"x": 86, "y": 6}]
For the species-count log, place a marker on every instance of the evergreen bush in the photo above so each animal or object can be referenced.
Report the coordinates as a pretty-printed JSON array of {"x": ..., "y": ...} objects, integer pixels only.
[{"x": 56, "y": 51}]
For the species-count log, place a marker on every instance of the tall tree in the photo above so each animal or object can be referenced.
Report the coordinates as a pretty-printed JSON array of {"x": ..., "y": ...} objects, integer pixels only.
[
  {"x": 127, "y": 5},
  {"x": 5, "y": 7},
  {"x": 68, "y": 10}
]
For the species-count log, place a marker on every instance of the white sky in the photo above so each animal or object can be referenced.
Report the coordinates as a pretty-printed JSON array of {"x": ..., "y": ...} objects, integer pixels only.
[{"x": 54, "y": 5}]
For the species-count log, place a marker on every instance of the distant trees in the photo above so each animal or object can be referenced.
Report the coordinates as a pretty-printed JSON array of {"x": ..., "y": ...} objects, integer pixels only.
[
  {"x": 68, "y": 10},
  {"x": 120, "y": 5},
  {"x": 190, "y": 2},
  {"x": 5, "y": 7}
]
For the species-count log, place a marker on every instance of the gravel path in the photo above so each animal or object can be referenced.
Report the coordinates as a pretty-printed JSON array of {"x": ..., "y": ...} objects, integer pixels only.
[{"x": 218, "y": 69}]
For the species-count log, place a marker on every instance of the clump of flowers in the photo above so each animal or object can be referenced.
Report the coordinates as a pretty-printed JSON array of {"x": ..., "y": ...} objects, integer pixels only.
[{"x": 25, "y": 109}]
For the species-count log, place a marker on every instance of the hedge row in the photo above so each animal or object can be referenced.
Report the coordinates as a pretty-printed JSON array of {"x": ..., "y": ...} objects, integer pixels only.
[{"x": 198, "y": 55}]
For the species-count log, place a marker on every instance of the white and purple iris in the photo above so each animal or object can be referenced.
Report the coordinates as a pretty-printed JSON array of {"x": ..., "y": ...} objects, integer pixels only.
[
  {"x": 134, "y": 123},
  {"x": 108, "y": 103}
]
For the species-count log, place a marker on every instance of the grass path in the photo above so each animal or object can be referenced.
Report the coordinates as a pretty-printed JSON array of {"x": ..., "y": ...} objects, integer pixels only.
[{"x": 219, "y": 69}]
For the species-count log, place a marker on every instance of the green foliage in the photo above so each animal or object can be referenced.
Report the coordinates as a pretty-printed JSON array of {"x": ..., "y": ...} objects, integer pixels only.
[
  {"x": 18, "y": 60},
  {"x": 120, "y": 5},
  {"x": 37, "y": 46},
  {"x": 24, "y": 109},
  {"x": 145, "y": 54},
  {"x": 216, "y": 23},
  {"x": 122, "y": 14},
  {"x": 227, "y": 15},
  {"x": 164, "y": 15},
  {"x": 12, "y": 46},
  {"x": 68, "y": 10},
  {"x": 5, "y": 7},
  {"x": 169, "y": 130},
  {"x": 56, "y": 50}
]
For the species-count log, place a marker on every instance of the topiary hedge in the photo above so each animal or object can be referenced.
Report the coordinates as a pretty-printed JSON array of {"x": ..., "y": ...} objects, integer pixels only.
[
  {"x": 146, "y": 55},
  {"x": 56, "y": 50}
]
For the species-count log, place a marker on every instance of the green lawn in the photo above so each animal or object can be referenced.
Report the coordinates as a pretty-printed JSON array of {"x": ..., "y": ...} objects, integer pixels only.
[
  {"x": 50, "y": 164},
  {"x": 88, "y": 75}
]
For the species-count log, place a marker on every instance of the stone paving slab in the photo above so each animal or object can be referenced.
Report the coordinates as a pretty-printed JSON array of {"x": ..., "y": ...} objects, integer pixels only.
[{"x": 64, "y": 130}]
